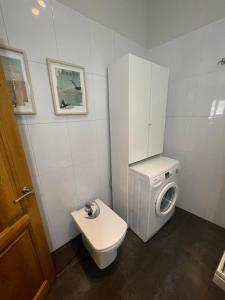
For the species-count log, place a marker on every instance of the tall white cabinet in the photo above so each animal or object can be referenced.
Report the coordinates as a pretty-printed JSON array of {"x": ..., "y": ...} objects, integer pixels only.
[{"x": 137, "y": 98}]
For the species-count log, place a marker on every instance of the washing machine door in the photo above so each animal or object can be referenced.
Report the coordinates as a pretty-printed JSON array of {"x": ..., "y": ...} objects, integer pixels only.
[{"x": 166, "y": 199}]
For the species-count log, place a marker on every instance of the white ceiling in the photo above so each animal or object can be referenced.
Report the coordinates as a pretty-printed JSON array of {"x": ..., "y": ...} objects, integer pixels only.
[
  {"x": 151, "y": 22},
  {"x": 128, "y": 17},
  {"x": 169, "y": 19}
]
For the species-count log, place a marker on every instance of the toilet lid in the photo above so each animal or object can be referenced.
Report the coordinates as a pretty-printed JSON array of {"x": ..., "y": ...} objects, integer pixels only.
[{"x": 103, "y": 232}]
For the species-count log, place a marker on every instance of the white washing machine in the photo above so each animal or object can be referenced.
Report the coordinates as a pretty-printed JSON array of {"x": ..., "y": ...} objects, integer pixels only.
[{"x": 152, "y": 194}]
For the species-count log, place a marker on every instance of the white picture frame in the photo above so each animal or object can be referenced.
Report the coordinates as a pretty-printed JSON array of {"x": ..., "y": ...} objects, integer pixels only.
[
  {"x": 68, "y": 86},
  {"x": 17, "y": 75}
]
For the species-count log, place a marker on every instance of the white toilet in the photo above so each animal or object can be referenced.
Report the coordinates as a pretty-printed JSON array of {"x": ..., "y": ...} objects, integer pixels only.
[{"x": 101, "y": 233}]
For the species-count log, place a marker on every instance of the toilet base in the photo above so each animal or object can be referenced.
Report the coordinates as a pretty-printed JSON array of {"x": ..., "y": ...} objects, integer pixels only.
[{"x": 102, "y": 259}]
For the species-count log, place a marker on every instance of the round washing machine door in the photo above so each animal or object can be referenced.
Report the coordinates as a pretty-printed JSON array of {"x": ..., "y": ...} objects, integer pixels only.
[{"x": 166, "y": 199}]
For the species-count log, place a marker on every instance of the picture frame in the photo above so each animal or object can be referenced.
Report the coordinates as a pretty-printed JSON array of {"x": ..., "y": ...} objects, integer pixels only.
[
  {"x": 68, "y": 86},
  {"x": 17, "y": 75}
]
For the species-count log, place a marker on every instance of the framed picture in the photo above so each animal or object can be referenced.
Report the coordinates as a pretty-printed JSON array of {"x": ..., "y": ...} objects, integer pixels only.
[
  {"x": 68, "y": 86},
  {"x": 16, "y": 71}
]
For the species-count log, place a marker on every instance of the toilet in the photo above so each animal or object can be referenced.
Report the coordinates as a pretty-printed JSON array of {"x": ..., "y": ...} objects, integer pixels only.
[{"x": 102, "y": 232}]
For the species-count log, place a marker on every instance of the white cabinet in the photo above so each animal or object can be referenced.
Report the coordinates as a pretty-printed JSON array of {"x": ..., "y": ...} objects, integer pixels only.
[
  {"x": 148, "y": 84},
  {"x": 157, "y": 109},
  {"x": 137, "y": 98},
  {"x": 139, "y": 104}
]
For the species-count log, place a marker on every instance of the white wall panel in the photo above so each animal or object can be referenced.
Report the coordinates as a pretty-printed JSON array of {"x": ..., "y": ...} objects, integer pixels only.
[
  {"x": 195, "y": 124},
  {"x": 35, "y": 34},
  {"x": 68, "y": 156}
]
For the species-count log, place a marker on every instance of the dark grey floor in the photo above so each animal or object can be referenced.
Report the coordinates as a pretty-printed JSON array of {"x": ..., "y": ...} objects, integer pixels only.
[{"x": 177, "y": 263}]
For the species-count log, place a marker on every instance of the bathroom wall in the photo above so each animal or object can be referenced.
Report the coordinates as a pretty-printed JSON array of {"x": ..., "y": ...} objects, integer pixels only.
[
  {"x": 195, "y": 124},
  {"x": 68, "y": 155}
]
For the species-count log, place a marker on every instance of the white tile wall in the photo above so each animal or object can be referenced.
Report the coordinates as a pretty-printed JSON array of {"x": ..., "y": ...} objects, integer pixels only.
[
  {"x": 99, "y": 94},
  {"x": 59, "y": 197},
  {"x": 102, "y": 48},
  {"x": 51, "y": 147},
  {"x": 124, "y": 45},
  {"x": 83, "y": 141},
  {"x": 25, "y": 31},
  {"x": 195, "y": 125},
  {"x": 73, "y": 36},
  {"x": 68, "y": 156}
]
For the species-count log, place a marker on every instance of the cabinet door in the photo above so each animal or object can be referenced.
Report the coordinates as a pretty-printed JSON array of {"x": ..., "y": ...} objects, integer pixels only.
[
  {"x": 157, "y": 114},
  {"x": 139, "y": 88}
]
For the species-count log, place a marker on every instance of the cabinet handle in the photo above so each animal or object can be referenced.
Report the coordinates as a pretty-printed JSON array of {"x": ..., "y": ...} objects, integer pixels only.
[
  {"x": 26, "y": 192},
  {"x": 149, "y": 124}
]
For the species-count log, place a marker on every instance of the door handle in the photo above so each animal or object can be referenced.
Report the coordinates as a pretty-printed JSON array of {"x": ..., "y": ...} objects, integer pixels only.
[{"x": 26, "y": 192}]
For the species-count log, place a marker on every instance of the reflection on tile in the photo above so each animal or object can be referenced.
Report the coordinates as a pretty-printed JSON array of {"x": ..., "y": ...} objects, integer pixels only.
[
  {"x": 39, "y": 42},
  {"x": 210, "y": 100}
]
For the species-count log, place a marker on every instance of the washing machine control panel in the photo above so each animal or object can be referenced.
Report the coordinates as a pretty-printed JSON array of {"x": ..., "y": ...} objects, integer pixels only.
[
  {"x": 157, "y": 181},
  {"x": 171, "y": 173}
]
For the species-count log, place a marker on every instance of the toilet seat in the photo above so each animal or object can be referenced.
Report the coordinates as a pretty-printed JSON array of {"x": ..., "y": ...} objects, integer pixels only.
[{"x": 104, "y": 232}]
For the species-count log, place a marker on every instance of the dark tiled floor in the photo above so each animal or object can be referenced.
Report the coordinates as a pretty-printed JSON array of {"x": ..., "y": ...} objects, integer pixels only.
[{"x": 178, "y": 263}]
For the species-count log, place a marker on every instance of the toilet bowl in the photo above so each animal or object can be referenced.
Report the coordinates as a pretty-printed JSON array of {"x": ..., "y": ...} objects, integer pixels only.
[{"x": 102, "y": 235}]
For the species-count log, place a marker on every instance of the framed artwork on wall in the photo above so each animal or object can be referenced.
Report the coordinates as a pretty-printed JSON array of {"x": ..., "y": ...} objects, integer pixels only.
[
  {"x": 68, "y": 85},
  {"x": 17, "y": 75}
]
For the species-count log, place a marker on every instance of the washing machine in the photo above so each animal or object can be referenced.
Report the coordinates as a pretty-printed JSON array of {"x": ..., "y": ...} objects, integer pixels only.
[{"x": 152, "y": 194}]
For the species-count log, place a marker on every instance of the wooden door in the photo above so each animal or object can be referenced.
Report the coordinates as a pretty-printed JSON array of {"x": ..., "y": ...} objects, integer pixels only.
[
  {"x": 26, "y": 268},
  {"x": 140, "y": 83},
  {"x": 157, "y": 113}
]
